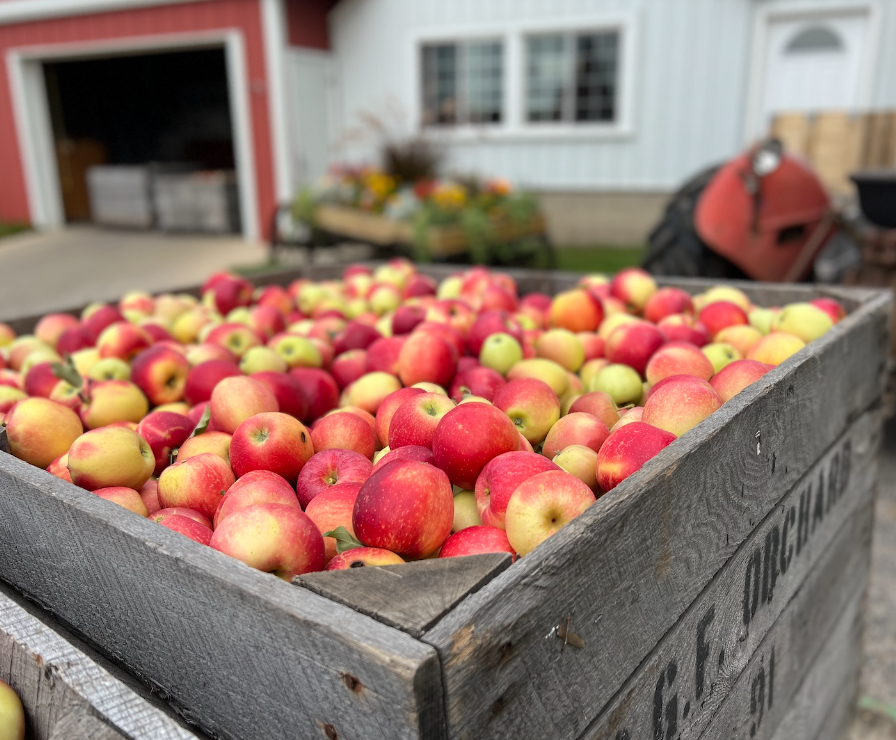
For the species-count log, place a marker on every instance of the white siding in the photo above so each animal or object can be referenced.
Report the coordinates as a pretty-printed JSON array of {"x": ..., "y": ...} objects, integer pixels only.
[{"x": 688, "y": 85}]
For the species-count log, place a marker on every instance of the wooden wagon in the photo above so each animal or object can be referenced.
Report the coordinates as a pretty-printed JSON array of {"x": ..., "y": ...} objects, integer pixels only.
[{"x": 717, "y": 593}]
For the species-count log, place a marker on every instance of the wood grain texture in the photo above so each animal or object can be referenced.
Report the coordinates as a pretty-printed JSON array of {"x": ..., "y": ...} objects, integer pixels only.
[
  {"x": 825, "y": 701},
  {"x": 238, "y": 652},
  {"x": 59, "y": 685},
  {"x": 77, "y": 726},
  {"x": 4, "y": 442},
  {"x": 715, "y": 639},
  {"x": 762, "y": 694},
  {"x": 412, "y": 596},
  {"x": 626, "y": 570}
]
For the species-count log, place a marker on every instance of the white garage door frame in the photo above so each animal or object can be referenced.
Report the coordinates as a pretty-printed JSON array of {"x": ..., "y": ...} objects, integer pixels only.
[
  {"x": 34, "y": 129},
  {"x": 762, "y": 22}
]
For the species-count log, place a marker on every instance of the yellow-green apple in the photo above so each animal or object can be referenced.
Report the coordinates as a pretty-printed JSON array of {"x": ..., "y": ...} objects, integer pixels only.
[
  {"x": 112, "y": 401},
  {"x": 110, "y": 456},
  {"x": 149, "y": 494},
  {"x": 165, "y": 432},
  {"x": 7, "y": 335},
  {"x": 320, "y": 389},
  {"x": 296, "y": 351},
  {"x": 363, "y": 557},
  {"x": 426, "y": 357},
  {"x": 380, "y": 454},
  {"x": 286, "y": 389},
  {"x": 328, "y": 468},
  {"x": 23, "y": 346},
  {"x": 217, "y": 443},
  {"x": 678, "y": 358},
  {"x": 761, "y": 319},
  {"x": 541, "y": 369},
  {"x": 735, "y": 377},
  {"x": 634, "y": 344},
  {"x": 238, "y": 338},
  {"x": 237, "y": 398},
  {"x": 450, "y": 287},
  {"x": 387, "y": 409},
  {"x": 10, "y": 396},
  {"x": 406, "y": 507},
  {"x": 273, "y": 538},
  {"x": 125, "y": 497},
  {"x": 51, "y": 326},
  {"x": 500, "y": 478},
  {"x": 468, "y": 437},
  {"x": 347, "y": 431},
  {"x": 627, "y": 416},
  {"x": 803, "y": 320},
  {"x": 97, "y": 318},
  {"x": 123, "y": 340},
  {"x": 178, "y": 521},
  {"x": 680, "y": 403},
  {"x": 109, "y": 368},
  {"x": 626, "y": 450},
  {"x": 577, "y": 428},
  {"x": 681, "y": 327},
  {"x": 727, "y": 293},
  {"x": 776, "y": 347},
  {"x": 500, "y": 352},
  {"x": 348, "y": 367},
  {"x": 477, "y": 540},
  {"x": 667, "y": 302},
  {"x": 410, "y": 452},
  {"x": 741, "y": 337},
  {"x": 40, "y": 430},
  {"x": 371, "y": 389},
  {"x": 271, "y": 441},
  {"x": 576, "y": 310},
  {"x": 720, "y": 354},
  {"x": 262, "y": 359},
  {"x": 12, "y": 714},
  {"x": 382, "y": 355},
  {"x": 199, "y": 353},
  {"x": 332, "y": 509},
  {"x": 59, "y": 468},
  {"x": 543, "y": 504},
  {"x": 596, "y": 403},
  {"x": 831, "y": 307},
  {"x": 414, "y": 422},
  {"x": 168, "y": 306},
  {"x": 561, "y": 346},
  {"x": 203, "y": 378},
  {"x": 590, "y": 370},
  {"x": 255, "y": 487},
  {"x": 621, "y": 382},
  {"x": 580, "y": 461},
  {"x": 195, "y": 483},
  {"x": 161, "y": 373},
  {"x": 465, "y": 512},
  {"x": 430, "y": 388},
  {"x": 137, "y": 302},
  {"x": 531, "y": 405},
  {"x": 720, "y": 314},
  {"x": 477, "y": 381},
  {"x": 189, "y": 325},
  {"x": 384, "y": 298},
  {"x": 489, "y": 323},
  {"x": 634, "y": 287}
]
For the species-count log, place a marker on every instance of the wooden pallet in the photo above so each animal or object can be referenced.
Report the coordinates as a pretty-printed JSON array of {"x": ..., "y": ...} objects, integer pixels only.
[{"x": 702, "y": 598}]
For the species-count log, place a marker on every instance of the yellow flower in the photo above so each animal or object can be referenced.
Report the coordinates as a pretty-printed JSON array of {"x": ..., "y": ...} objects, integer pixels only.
[{"x": 450, "y": 196}]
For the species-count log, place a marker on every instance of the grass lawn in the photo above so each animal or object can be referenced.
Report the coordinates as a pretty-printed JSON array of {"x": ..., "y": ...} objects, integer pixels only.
[
  {"x": 599, "y": 258},
  {"x": 10, "y": 229}
]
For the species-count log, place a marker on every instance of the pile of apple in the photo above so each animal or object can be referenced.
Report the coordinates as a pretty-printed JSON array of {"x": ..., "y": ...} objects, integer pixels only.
[{"x": 442, "y": 419}]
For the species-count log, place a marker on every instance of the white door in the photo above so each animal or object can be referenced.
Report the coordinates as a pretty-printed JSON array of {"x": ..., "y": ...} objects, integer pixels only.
[
  {"x": 813, "y": 63},
  {"x": 310, "y": 94}
]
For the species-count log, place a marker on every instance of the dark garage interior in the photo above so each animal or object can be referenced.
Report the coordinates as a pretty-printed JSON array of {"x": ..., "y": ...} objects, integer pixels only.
[{"x": 168, "y": 108}]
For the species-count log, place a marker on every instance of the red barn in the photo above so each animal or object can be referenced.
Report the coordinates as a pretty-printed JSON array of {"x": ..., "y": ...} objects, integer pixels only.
[{"x": 138, "y": 81}]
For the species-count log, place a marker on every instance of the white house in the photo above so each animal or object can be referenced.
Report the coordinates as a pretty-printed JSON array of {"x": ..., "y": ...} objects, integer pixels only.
[{"x": 602, "y": 106}]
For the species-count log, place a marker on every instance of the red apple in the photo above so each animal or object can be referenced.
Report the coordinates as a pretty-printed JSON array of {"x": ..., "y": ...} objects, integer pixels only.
[
  {"x": 387, "y": 409},
  {"x": 217, "y": 443},
  {"x": 680, "y": 404},
  {"x": 195, "y": 483},
  {"x": 236, "y": 399},
  {"x": 125, "y": 497},
  {"x": 626, "y": 450},
  {"x": 161, "y": 373},
  {"x": 361, "y": 557},
  {"x": 577, "y": 428},
  {"x": 164, "y": 431},
  {"x": 531, "y": 405},
  {"x": 110, "y": 456},
  {"x": 477, "y": 540},
  {"x": 123, "y": 340},
  {"x": 409, "y": 452},
  {"x": 716, "y": 316},
  {"x": 271, "y": 441},
  {"x": 286, "y": 389},
  {"x": 344, "y": 430},
  {"x": 426, "y": 357},
  {"x": 235, "y": 337},
  {"x": 328, "y": 468},
  {"x": 320, "y": 390},
  {"x": 202, "y": 379},
  {"x": 678, "y": 358},
  {"x": 255, "y": 487},
  {"x": 40, "y": 430},
  {"x": 415, "y": 421},
  {"x": 332, "y": 509},
  {"x": 186, "y": 526},
  {"x": 634, "y": 344},
  {"x": 732, "y": 379},
  {"x": 500, "y": 478},
  {"x": 478, "y": 381}
]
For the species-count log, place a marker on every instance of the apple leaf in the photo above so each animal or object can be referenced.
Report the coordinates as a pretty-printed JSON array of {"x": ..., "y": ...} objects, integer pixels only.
[
  {"x": 344, "y": 539},
  {"x": 203, "y": 423},
  {"x": 66, "y": 371}
]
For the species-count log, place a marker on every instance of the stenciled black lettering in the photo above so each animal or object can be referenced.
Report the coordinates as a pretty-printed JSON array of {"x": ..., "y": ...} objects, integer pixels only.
[
  {"x": 752, "y": 582},
  {"x": 818, "y": 509},
  {"x": 802, "y": 522},
  {"x": 787, "y": 547},
  {"x": 771, "y": 678},
  {"x": 703, "y": 648},
  {"x": 770, "y": 564},
  {"x": 757, "y": 700},
  {"x": 845, "y": 467},
  {"x": 665, "y": 713}
]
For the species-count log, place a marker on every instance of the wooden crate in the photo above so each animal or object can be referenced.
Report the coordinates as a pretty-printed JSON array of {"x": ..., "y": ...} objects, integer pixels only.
[
  {"x": 66, "y": 694},
  {"x": 715, "y": 594}
]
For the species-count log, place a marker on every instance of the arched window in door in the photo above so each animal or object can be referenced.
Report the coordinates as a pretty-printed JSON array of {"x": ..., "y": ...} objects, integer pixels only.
[{"x": 815, "y": 39}]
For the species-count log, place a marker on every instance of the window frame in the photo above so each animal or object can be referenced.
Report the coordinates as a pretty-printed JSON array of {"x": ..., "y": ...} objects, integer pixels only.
[{"x": 514, "y": 38}]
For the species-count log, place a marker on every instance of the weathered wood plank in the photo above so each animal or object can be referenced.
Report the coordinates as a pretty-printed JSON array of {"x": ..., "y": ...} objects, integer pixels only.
[
  {"x": 59, "y": 684},
  {"x": 789, "y": 552},
  {"x": 77, "y": 726},
  {"x": 761, "y": 695},
  {"x": 411, "y": 597},
  {"x": 239, "y": 652},
  {"x": 4, "y": 442},
  {"x": 626, "y": 570}
]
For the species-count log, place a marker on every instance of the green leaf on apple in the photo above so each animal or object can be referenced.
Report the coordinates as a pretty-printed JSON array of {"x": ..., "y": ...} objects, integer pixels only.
[
  {"x": 344, "y": 539},
  {"x": 66, "y": 371},
  {"x": 203, "y": 423}
]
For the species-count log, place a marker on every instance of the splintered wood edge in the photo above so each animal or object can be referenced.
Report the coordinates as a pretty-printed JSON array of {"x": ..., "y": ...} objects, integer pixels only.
[
  {"x": 4, "y": 441},
  {"x": 411, "y": 597}
]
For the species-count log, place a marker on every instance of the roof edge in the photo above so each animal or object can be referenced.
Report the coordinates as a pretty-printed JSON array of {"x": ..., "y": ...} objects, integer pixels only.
[{"x": 24, "y": 11}]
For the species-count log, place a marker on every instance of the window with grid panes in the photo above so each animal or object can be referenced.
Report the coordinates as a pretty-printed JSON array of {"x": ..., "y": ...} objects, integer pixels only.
[
  {"x": 572, "y": 77},
  {"x": 463, "y": 83}
]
